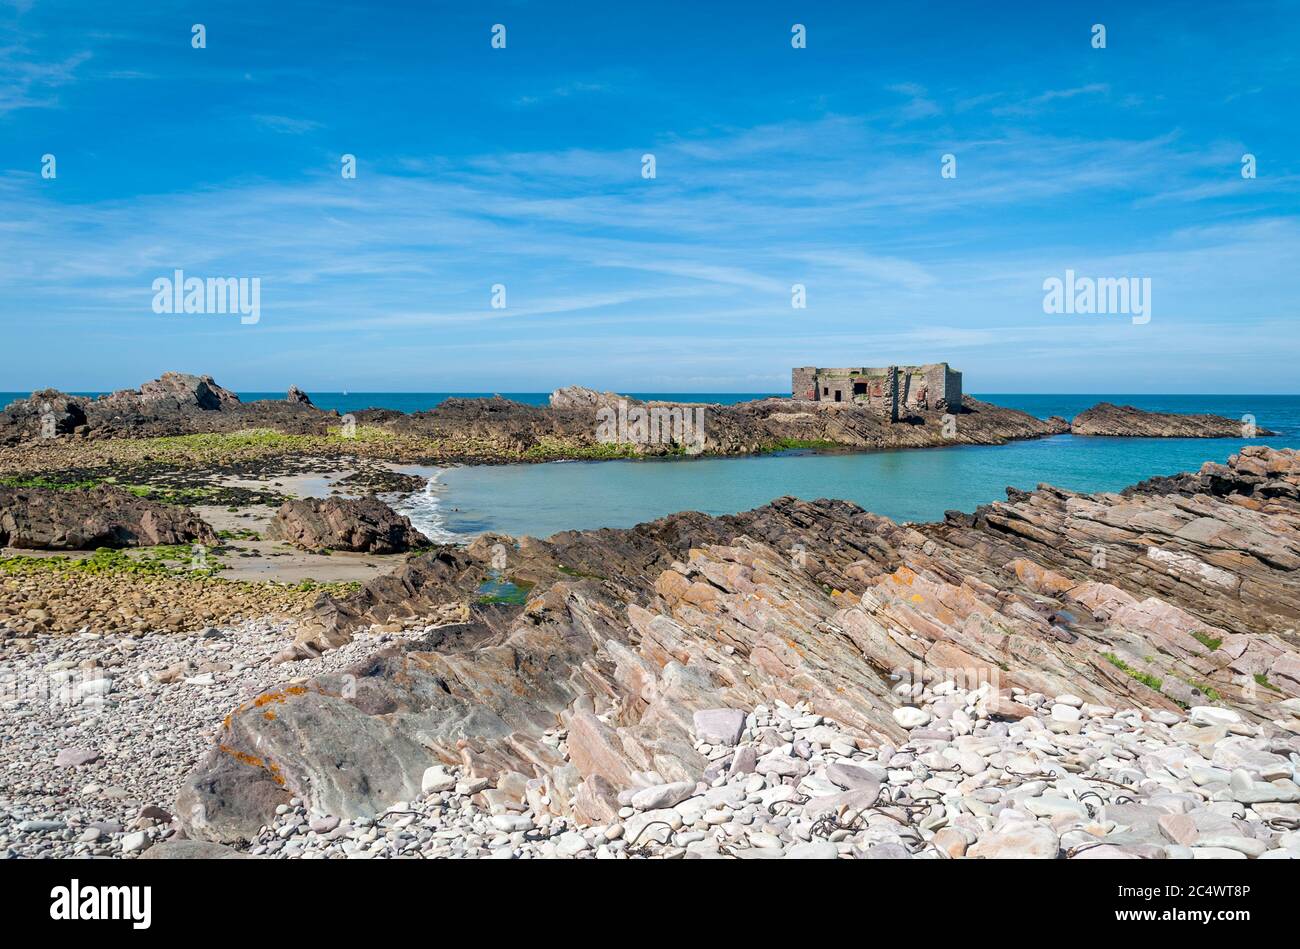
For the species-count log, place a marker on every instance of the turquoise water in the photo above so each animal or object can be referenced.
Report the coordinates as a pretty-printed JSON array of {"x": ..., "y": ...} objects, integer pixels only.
[
  {"x": 907, "y": 485},
  {"x": 913, "y": 485},
  {"x": 1280, "y": 413}
]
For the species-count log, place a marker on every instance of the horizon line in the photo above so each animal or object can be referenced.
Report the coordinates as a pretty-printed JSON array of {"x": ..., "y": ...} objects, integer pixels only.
[{"x": 630, "y": 391}]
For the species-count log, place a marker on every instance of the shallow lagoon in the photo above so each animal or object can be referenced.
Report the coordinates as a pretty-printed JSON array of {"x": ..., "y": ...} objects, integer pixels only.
[{"x": 912, "y": 485}]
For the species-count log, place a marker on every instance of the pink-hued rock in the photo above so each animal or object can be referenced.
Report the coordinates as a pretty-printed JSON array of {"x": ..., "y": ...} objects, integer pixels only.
[
  {"x": 721, "y": 726},
  {"x": 75, "y": 757},
  {"x": 1031, "y": 841}
]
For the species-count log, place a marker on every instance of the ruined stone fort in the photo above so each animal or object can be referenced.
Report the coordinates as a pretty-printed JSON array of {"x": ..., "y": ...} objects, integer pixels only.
[{"x": 892, "y": 390}]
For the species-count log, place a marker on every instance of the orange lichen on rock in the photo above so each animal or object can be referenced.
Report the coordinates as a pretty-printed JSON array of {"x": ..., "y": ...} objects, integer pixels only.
[
  {"x": 242, "y": 757},
  {"x": 278, "y": 697},
  {"x": 254, "y": 762}
]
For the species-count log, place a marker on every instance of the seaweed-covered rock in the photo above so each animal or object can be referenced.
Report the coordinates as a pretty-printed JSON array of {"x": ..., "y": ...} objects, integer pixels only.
[{"x": 104, "y": 516}]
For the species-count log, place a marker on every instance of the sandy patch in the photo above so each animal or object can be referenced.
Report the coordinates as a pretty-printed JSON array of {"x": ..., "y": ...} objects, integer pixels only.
[{"x": 267, "y": 560}]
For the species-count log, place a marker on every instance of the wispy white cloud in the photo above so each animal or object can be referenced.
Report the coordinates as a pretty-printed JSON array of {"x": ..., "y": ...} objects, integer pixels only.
[
  {"x": 287, "y": 125},
  {"x": 30, "y": 83},
  {"x": 603, "y": 267},
  {"x": 919, "y": 105},
  {"x": 566, "y": 90},
  {"x": 1033, "y": 104}
]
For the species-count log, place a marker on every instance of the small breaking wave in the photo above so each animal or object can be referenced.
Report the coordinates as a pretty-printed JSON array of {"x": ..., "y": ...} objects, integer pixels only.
[{"x": 424, "y": 508}]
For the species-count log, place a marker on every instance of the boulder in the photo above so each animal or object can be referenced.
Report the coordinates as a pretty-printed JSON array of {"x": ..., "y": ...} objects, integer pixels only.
[
  {"x": 192, "y": 850},
  {"x": 719, "y": 726},
  {"x": 75, "y": 757},
  {"x": 359, "y": 524},
  {"x": 190, "y": 391}
]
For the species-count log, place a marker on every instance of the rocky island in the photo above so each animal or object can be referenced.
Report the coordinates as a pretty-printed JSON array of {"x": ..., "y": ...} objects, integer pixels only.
[
  {"x": 188, "y": 420},
  {"x": 1125, "y": 421}
]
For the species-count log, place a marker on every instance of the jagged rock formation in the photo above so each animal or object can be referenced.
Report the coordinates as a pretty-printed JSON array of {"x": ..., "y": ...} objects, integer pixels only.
[
  {"x": 1104, "y": 418},
  {"x": 178, "y": 389},
  {"x": 173, "y": 404},
  {"x": 45, "y": 414},
  {"x": 297, "y": 396},
  {"x": 362, "y": 524},
  {"x": 103, "y": 516},
  {"x": 1258, "y": 478},
  {"x": 861, "y": 427},
  {"x": 580, "y": 397},
  {"x": 1162, "y": 597}
]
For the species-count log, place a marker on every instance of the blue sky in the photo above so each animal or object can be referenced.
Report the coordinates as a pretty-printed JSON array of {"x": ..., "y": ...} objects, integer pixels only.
[{"x": 775, "y": 166}]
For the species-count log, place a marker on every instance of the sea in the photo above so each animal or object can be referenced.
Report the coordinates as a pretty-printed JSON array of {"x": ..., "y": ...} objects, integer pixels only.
[{"x": 459, "y": 503}]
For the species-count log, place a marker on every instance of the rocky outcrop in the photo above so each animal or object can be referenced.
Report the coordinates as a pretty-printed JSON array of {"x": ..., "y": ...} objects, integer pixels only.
[
  {"x": 50, "y": 413},
  {"x": 104, "y": 516},
  {"x": 1163, "y": 599},
  {"x": 1104, "y": 418},
  {"x": 173, "y": 404},
  {"x": 360, "y": 524},
  {"x": 474, "y": 429},
  {"x": 45, "y": 414},
  {"x": 182, "y": 390},
  {"x": 497, "y": 429},
  {"x": 297, "y": 396},
  {"x": 1258, "y": 478},
  {"x": 429, "y": 585}
]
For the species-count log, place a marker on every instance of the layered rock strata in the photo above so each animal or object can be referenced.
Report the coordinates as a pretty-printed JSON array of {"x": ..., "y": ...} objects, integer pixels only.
[
  {"x": 1105, "y": 418},
  {"x": 1164, "y": 598}
]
